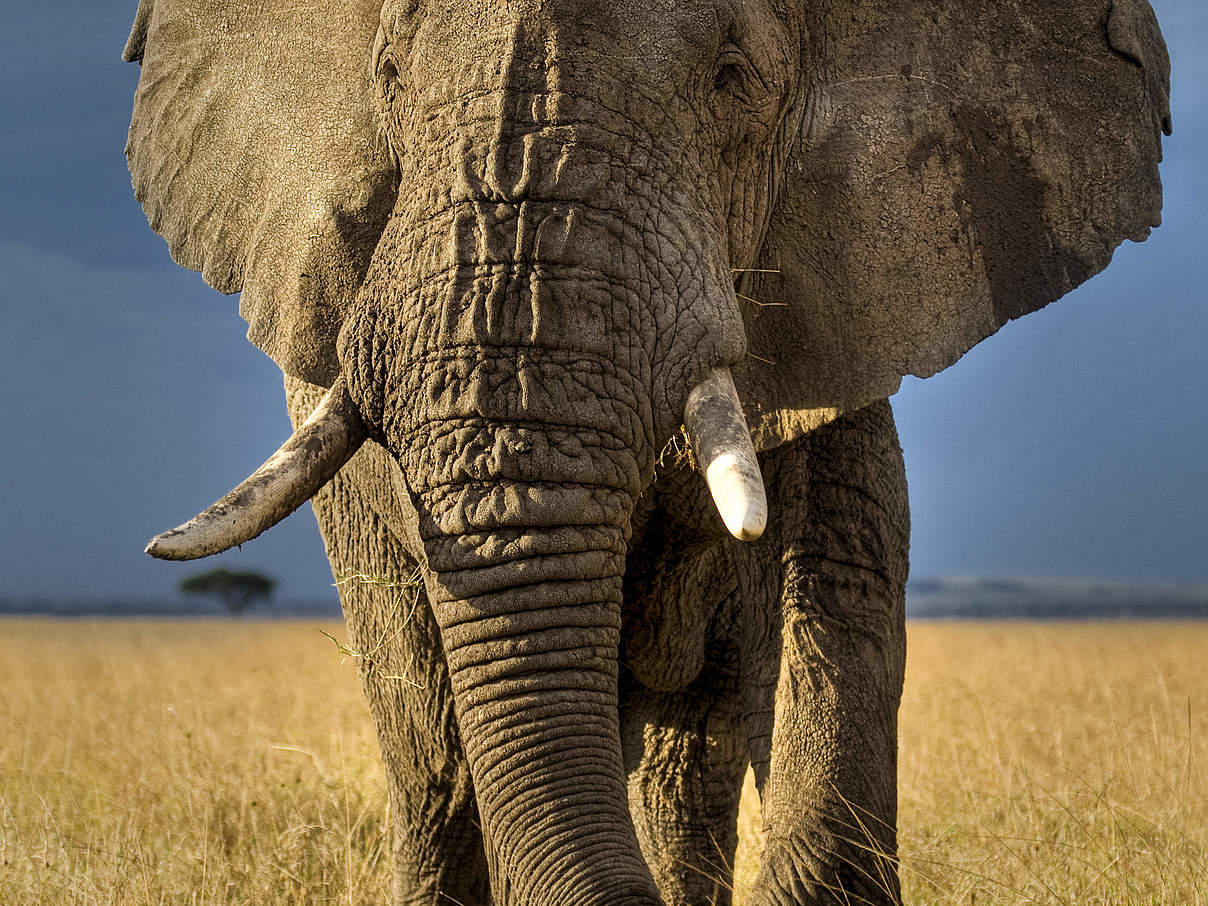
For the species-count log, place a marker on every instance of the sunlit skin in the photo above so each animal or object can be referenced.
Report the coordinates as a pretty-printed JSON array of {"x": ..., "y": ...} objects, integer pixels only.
[{"x": 503, "y": 246}]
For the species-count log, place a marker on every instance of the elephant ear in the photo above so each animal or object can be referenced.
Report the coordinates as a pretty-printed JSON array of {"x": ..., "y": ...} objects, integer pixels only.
[
  {"x": 256, "y": 154},
  {"x": 958, "y": 165}
]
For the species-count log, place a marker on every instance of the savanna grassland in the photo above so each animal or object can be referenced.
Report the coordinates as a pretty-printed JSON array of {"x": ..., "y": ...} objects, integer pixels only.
[{"x": 230, "y": 763}]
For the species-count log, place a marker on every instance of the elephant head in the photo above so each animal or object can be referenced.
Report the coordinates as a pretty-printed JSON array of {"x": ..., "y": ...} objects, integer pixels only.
[{"x": 524, "y": 241}]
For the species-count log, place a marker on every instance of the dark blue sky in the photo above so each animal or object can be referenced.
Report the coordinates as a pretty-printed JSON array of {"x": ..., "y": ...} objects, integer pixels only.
[{"x": 1071, "y": 444}]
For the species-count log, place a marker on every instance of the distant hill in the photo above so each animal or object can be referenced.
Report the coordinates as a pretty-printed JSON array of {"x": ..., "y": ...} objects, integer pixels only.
[
  {"x": 955, "y": 598},
  {"x": 1052, "y": 599}
]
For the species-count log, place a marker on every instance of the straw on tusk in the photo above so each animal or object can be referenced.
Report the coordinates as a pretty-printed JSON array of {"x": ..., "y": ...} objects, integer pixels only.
[
  {"x": 289, "y": 478},
  {"x": 722, "y": 444}
]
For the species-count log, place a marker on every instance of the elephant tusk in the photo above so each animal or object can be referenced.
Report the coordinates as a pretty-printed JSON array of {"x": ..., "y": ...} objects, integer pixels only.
[
  {"x": 722, "y": 444},
  {"x": 290, "y": 477}
]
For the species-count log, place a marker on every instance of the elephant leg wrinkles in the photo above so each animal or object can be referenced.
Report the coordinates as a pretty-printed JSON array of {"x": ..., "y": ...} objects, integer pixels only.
[
  {"x": 798, "y": 666},
  {"x": 799, "y": 669},
  {"x": 435, "y": 834},
  {"x": 830, "y": 613},
  {"x": 686, "y": 762}
]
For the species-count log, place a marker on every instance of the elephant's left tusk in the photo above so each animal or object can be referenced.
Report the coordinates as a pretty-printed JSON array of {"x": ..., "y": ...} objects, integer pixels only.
[
  {"x": 289, "y": 478},
  {"x": 722, "y": 444}
]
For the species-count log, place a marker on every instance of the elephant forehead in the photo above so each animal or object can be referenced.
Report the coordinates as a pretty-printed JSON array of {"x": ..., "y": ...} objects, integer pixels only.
[{"x": 649, "y": 47}]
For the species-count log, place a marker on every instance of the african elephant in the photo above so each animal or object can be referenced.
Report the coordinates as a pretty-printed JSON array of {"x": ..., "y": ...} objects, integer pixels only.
[{"x": 503, "y": 250}]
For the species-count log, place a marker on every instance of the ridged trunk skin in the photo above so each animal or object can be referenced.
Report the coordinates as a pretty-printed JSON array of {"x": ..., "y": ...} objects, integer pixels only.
[
  {"x": 541, "y": 302},
  {"x": 497, "y": 353},
  {"x": 530, "y": 623}
]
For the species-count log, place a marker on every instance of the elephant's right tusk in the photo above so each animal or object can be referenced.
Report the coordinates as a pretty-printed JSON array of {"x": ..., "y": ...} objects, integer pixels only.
[
  {"x": 722, "y": 444},
  {"x": 289, "y": 478}
]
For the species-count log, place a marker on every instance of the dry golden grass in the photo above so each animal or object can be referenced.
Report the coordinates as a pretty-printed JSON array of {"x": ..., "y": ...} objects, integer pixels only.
[
  {"x": 230, "y": 763},
  {"x": 185, "y": 762},
  {"x": 1060, "y": 764}
]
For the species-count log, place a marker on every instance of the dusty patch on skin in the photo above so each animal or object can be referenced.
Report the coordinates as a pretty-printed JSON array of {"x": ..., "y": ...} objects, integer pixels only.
[
  {"x": 575, "y": 181},
  {"x": 1004, "y": 201}
]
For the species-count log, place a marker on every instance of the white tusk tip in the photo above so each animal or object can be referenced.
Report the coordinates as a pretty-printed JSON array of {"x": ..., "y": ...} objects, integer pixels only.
[{"x": 739, "y": 497}]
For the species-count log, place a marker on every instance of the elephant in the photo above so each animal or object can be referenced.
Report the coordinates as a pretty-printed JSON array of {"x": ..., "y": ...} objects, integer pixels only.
[{"x": 588, "y": 314}]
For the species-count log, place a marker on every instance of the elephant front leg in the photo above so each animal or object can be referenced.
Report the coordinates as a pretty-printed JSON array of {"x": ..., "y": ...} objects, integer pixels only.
[
  {"x": 436, "y": 841},
  {"x": 830, "y": 791},
  {"x": 435, "y": 837},
  {"x": 830, "y": 678},
  {"x": 686, "y": 760}
]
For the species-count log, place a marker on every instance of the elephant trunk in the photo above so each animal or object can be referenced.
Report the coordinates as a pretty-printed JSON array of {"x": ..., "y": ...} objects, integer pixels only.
[
  {"x": 524, "y": 578},
  {"x": 524, "y": 347},
  {"x": 522, "y": 461}
]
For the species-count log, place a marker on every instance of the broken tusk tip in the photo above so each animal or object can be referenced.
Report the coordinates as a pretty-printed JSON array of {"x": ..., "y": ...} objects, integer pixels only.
[
  {"x": 167, "y": 546},
  {"x": 739, "y": 497},
  {"x": 158, "y": 547}
]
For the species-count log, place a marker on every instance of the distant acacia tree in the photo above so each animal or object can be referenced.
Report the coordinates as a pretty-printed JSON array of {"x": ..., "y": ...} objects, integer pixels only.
[{"x": 237, "y": 590}]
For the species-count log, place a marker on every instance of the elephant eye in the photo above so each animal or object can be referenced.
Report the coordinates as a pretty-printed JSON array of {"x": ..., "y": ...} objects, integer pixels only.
[
  {"x": 389, "y": 72},
  {"x": 734, "y": 72},
  {"x": 737, "y": 79},
  {"x": 728, "y": 77}
]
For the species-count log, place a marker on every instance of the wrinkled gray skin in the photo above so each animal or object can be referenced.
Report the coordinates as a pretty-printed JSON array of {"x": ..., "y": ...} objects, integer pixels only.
[
  {"x": 705, "y": 623},
  {"x": 515, "y": 229}
]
